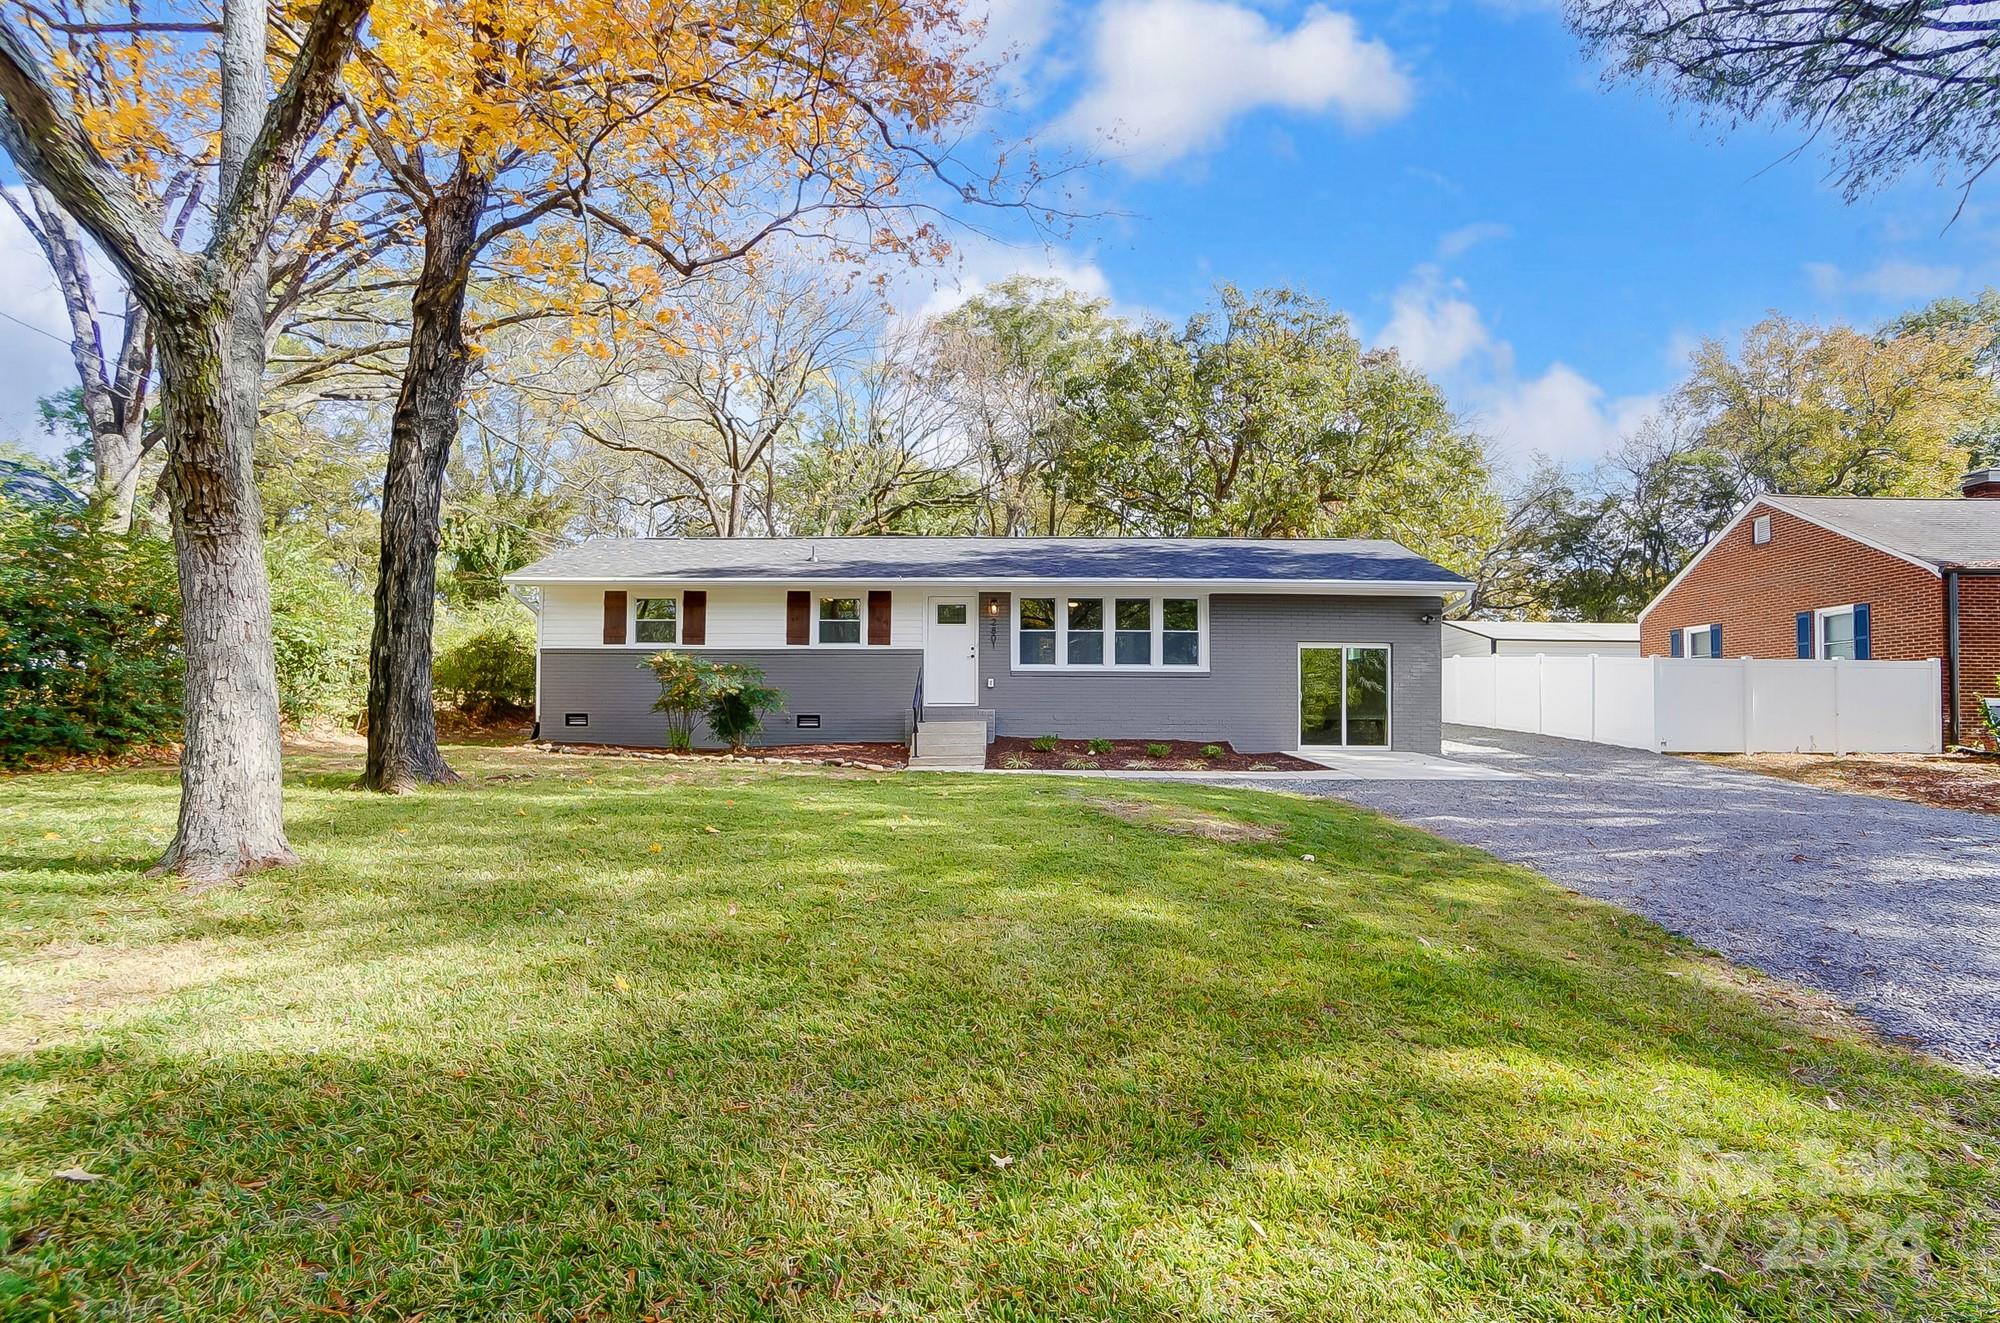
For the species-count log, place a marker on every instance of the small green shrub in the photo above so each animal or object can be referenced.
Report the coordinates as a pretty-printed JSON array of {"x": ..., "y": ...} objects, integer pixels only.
[
  {"x": 685, "y": 680},
  {"x": 1099, "y": 747},
  {"x": 1158, "y": 750},
  {"x": 738, "y": 698},
  {"x": 1079, "y": 764},
  {"x": 90, "y": 638},
  {"x": 1016, "y": 762},
  {"x": 319, "y": 631},
  {"x": 1043, "y": 743},
  {"x": 485, "y": 665},
  {"x": 1213, "y": 751}
]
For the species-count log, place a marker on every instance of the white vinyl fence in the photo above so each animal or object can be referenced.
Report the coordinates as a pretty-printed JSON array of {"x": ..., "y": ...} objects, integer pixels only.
[{"x": 1704, "y": 705}]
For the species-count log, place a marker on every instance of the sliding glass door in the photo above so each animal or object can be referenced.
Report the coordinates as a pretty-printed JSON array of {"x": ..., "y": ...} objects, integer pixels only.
[{"x": 1343, "y": 696}]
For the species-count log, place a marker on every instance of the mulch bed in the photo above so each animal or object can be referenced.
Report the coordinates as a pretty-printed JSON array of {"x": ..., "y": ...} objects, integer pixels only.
[
  {"x": 1011, "y": 751},
  {"x": 1949, "y": 780},
  {"x": 882, "y": 757}
]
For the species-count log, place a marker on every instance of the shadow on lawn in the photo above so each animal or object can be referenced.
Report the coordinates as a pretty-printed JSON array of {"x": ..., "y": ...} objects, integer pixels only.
[{"x": 886, "y": 1047}]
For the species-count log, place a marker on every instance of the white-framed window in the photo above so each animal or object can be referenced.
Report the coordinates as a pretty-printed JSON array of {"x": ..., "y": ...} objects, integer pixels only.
[
  {"x": 656, "y": 620},
  {"x": 1760, "y": 529},
  {"x": 1093, "y": 630},
  {"x": 1699, "y": 640},
  {"x": 1834, "y": 633},
  {"x": 839, "y": 623}
]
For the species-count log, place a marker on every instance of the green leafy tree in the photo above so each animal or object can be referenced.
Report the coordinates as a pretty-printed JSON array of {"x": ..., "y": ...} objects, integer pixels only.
[
  {"x": 1826, "y": 410},
  {"x": 1009, "y": 363},
  {"x": 1975, "y": 324},
  {"x": 1265, "y": 417}
]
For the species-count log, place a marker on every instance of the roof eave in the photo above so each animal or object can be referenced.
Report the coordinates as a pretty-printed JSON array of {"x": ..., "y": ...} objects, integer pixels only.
[{"x": 527, "y": 578}]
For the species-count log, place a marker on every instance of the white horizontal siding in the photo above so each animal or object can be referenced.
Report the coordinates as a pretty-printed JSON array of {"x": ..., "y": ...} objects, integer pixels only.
[{"x": 739, "y": 616}]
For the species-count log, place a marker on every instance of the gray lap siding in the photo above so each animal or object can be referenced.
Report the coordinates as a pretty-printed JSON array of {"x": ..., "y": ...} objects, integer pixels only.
[
  {"x": 1249, "y": 693},
  {"x": 859, "y": 694},
  {"x": 1248, "y": 696}
]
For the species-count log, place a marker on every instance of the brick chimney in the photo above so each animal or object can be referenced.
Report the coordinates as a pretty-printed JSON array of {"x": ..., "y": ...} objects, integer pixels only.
[{"x": 1980, "y": 482}]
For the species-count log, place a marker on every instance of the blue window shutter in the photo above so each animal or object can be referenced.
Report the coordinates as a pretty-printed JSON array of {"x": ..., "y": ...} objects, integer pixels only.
[
  {"x": 1861, "y": 649},
  {"x": 1805, "y": 634},
  {"x": 1674, "y": 649},
  {"x": 1715, "y": 640}
]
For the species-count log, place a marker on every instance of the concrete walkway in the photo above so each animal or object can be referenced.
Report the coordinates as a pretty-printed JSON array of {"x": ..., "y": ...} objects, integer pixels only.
[{"x": 1891, "y": 906}]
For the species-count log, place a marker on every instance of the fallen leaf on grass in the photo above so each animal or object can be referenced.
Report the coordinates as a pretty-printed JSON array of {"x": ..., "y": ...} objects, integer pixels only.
[
  {"x": 619, "y": 983},
  {"x": 1001, "y": 1160},
  {"x": 77, "y": 1175},
  {"x": 713, "y": 830}
]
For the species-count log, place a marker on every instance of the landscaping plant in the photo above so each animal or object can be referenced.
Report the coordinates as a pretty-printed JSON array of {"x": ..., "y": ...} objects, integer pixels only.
[
  {"x": 737, "y": 700},
  {"x": 486, "y": 659},
  {"x": 1099, "y": 747},
  {"x": 1043, "y": 743},
  {"x": 1158, "y": 750},
  {"x": 685, "y": 683},
  {"x": 1212, "y": 751}
]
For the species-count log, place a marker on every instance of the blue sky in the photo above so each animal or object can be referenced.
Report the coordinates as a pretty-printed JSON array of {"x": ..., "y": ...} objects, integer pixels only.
[
  {"x": 1453, "y": 176},
  {"x": 1459, "y": 180}
]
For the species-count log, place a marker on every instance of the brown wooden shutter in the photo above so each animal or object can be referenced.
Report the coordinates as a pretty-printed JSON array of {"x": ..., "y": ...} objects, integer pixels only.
[
  {"x": 798, "y": 618},
  {"x": 878, "y": 616},
  {"x": 694, "y": 616},
  {"x": 614, "y": 617}
]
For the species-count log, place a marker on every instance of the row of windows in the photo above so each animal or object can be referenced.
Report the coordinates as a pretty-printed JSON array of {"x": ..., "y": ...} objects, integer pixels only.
[
  {"x": 657, "y": 620},
  {"x": 1833, "y": 633},
  {"x": 1113, "y": 631}
]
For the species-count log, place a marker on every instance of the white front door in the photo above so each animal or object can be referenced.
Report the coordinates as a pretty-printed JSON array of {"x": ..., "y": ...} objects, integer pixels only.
[{"x": 951, "y": 652}]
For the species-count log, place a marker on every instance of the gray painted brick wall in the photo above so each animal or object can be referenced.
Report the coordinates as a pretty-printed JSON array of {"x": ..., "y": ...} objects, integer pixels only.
[
  {"x": 860, "y": 695},
  {"x": 1248, "y": 696}
]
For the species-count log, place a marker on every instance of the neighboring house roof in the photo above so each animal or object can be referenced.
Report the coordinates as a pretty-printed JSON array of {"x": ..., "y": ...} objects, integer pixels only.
[
  {"x": 1956, "y": 530},
  {"x": 1550, "y": 631},
  {"x": 1931, "y": 532},
  {"x": 1347, "y": 562},
  {"x": 18, "y": 482}
]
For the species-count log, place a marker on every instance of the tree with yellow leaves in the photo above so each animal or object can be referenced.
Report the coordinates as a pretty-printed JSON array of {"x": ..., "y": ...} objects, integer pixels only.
[{"x": 601, "y": 151}]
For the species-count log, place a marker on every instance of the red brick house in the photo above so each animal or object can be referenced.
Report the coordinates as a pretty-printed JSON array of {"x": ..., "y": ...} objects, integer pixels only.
[{"x": 1849, "y": 577}]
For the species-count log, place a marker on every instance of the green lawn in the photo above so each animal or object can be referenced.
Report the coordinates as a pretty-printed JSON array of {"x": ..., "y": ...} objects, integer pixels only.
[{"x": 609, "y": 1039}]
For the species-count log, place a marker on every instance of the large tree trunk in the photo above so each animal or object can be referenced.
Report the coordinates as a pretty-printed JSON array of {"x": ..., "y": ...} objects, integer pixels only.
[
  {"x": 211, "y": 360},
  {"x": 402, "y": 715},
  {"x": 232, "y": 794}
]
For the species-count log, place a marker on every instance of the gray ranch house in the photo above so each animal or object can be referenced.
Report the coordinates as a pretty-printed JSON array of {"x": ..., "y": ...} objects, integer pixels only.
[{"x": 1271, "y": 645}]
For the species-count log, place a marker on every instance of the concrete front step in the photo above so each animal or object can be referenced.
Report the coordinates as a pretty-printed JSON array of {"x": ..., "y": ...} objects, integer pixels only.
[
  {"x": 960, "y": 761},
  {"x": 950, "y": 744}
]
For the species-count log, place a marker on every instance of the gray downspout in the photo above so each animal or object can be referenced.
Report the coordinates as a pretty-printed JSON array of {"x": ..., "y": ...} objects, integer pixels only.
[{"x": 1951, "y": 648}]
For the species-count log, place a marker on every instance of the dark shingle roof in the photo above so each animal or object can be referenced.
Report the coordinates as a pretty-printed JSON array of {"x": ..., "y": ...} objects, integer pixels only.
[
  {"x": 1097, "y": 560},
  {"x": 1954, "y": 530}
]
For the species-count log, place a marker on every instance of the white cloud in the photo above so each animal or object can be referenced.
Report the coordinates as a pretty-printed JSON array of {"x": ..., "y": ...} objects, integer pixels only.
[
  {"x": 1892, "y": 279},
  {"x": 983, "y": 263},
  {"x": 1560, "y": 413},
  {"x": 1434, "y": 326},
  {"x": 1016, "y": 32},
  {"x": 1168, "y": 77},
  {"x": 1459, "y": 242}
]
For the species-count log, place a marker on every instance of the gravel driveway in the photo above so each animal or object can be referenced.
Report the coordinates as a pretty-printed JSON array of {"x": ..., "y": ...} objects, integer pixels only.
[{"x": 1891, "y": 906}]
